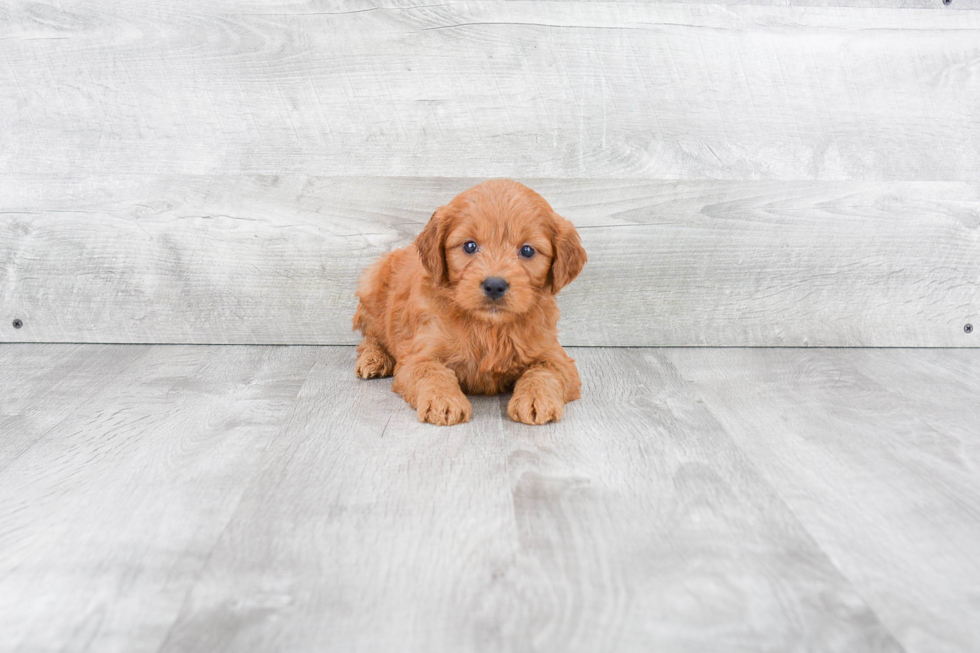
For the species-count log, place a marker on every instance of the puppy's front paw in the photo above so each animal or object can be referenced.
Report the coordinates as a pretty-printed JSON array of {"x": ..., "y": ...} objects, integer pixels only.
[
  {"x": 445, "y": 409},
  {"x": 374, "y": 362},
  {"x": 535, "y": 407}
]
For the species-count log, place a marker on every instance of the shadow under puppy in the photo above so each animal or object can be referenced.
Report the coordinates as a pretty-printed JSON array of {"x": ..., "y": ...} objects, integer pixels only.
[{"x": 470, "y": 308}]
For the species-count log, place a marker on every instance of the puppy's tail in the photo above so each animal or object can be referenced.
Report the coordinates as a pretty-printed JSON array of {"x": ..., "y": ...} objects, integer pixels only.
[
  {"x": 360, "y": 322},
  {"x": 372, "y": 294}
]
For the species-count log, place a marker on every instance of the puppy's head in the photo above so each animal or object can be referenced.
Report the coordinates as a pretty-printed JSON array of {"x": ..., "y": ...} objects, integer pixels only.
[{"x": 499, "y": 247}]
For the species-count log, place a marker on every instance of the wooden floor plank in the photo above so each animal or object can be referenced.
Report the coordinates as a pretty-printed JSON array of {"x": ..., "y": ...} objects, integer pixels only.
[
  {"x": 212, "y": 498},
  {"x": 633, "y": 525},
  {"x": 878, "y": 455},
  {"x": 366, "y": 531},
  {"x": 42, "y": 386},
  {"x": 652, "y": 531},
  {"x": 106, "y": 521}
]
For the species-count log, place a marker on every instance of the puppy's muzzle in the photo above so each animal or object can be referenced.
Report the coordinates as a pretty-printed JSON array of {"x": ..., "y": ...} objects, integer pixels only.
[{"x": 495, "y": 287}]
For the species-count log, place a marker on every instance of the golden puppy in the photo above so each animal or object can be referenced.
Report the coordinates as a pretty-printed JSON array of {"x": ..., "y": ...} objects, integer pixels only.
[{"x": 470, "y": 308}]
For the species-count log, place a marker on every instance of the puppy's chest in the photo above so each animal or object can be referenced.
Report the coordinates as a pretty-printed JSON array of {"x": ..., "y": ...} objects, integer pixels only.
[{"x": 488, "y": 363}]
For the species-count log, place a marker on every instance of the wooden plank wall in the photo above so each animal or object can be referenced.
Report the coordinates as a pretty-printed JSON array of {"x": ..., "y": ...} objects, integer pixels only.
[{"x": 742, "y": 174}]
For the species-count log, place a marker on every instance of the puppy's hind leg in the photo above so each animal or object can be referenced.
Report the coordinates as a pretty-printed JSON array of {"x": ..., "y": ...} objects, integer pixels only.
[{"x": 373, "y": 360}]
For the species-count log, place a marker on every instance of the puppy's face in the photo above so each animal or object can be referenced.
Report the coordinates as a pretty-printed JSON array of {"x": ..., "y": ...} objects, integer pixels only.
[{"x": 498, "y": 247}]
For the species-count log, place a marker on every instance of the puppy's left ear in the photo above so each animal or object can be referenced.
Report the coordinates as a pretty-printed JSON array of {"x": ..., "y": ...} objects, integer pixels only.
[{"x": 569, "y": 257}]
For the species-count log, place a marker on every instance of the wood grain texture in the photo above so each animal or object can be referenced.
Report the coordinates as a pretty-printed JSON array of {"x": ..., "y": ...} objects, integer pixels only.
[
  {"x": 850, "y": 4},
  {"x": 275, "y": 259},
  {"x": 635, "y": 530},
  {"x": 43, "y": 387},
  {"x": 878, "y": 454},
  {"x": 364, "y": 531},
  {"x": 106, "y": 520},
  {"x": 484, "y": 89},
  {"x": 248, "y": 498}
]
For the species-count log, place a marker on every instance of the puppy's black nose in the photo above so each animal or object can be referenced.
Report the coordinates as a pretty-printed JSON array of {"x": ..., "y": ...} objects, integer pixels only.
[{"x": 495, "y": 287}]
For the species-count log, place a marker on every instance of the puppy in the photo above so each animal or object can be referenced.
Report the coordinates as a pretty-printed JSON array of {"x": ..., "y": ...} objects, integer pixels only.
[{"x": 470, "y": 308}]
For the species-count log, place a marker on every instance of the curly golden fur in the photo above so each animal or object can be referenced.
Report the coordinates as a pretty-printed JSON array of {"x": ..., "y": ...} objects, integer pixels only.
[{"x": 432, "y": 316}]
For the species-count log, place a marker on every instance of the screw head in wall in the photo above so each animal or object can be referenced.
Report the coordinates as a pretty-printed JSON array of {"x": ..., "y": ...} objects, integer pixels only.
[
  {"x": 946, "y": 2},
  {"x": 968, "y": 328},
  {"x": 18, "y": 324}
]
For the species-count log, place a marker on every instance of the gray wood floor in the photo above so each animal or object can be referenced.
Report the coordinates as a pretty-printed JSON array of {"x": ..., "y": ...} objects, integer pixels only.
[{"x": 193, "y": 498}]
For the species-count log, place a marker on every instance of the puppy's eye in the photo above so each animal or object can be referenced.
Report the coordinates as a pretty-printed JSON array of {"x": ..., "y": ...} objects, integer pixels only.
[
  {"x": 527, "y": 251},
  {"x": 469, "y": 246}
]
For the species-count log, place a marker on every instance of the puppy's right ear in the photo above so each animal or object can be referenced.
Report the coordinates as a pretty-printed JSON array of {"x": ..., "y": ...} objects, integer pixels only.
[{"x": 431, "y": 244}]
